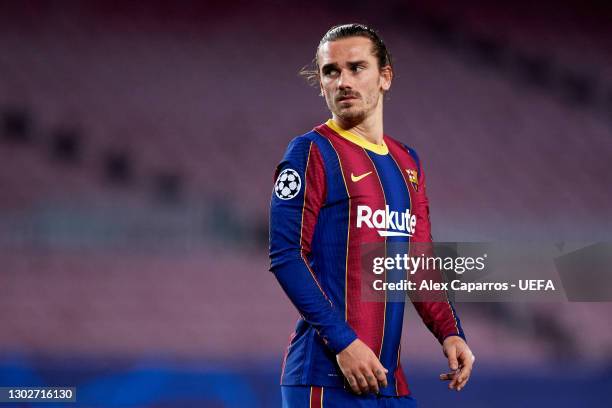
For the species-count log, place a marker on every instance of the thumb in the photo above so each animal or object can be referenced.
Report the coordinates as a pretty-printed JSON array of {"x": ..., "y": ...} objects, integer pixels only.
[{"x": 452, "y": 358}]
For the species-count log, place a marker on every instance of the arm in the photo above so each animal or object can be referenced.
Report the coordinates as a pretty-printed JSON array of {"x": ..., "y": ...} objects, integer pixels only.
[
  {"x": 293, "y": 215},
  {"x": 437, "y": 312}
]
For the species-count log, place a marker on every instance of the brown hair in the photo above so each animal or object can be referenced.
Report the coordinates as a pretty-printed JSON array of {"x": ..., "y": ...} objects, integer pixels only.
[{"x": 311, "y": 71}]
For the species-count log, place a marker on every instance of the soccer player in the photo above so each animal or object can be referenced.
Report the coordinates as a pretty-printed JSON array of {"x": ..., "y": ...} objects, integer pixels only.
[{"x": 344, "y": 184}]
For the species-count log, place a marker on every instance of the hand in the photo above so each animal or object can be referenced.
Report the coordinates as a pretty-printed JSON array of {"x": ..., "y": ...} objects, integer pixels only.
[
  {"x": 460, "y": 361},
  {"x": 361, "y": 367}
]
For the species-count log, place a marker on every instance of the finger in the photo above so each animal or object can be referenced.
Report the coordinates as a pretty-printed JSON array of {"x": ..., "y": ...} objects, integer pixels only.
[
  {"x": 372, "y": 382},
  {"x": 460, "y": 379},
  {"x": 466, "y": 360},
  {"x": 453, "y": 364},
  {"x": 462, "y": 376},
  {"x": 462, "y": 385},
  {"x": 447, "y": 376},
  {"x": 353, "y": 383},
  {"x": 363, "y": 384},
  {"x": 465, "y": 374},
  {"x": 453, "y": 384},
  {"x": 381, "y": 377},
  {"x": 465, "y": 377}
]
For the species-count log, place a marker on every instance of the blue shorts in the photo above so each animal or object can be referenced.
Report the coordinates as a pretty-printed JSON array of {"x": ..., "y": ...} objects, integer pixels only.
[{"x": 305, "y": 396}]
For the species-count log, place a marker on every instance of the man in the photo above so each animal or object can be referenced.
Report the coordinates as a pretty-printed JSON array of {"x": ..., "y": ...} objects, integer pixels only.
[{"x": 345, "y": 350}]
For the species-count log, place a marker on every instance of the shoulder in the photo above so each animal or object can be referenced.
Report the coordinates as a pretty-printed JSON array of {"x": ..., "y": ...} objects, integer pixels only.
[
  {"x": 298, "y": 153},
  {"x": 300, "y": 144},
  {"x": 403, "y": 146},
  {"x": 305, "y": 145},
  {"x": 300, "y": 162}
]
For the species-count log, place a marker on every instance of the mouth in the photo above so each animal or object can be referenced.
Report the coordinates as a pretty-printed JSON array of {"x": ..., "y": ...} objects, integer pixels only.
[{"x": 347, "y": 98}]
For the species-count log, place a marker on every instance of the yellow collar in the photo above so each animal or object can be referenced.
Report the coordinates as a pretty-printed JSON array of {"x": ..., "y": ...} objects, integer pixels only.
[{"x": 351, "y": 137}]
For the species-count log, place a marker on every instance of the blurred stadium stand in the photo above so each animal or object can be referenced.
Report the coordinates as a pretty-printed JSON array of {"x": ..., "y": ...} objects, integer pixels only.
[{"x": 138, "y": 148}]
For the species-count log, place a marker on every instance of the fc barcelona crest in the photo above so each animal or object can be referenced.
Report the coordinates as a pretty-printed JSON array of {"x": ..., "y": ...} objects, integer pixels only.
[{"x": 413, "y": 177}]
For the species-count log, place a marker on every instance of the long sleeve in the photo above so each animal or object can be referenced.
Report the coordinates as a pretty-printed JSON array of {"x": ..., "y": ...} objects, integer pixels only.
[
  {"x": 298, "y": 195},
  {"x": 436, "y": 311}
]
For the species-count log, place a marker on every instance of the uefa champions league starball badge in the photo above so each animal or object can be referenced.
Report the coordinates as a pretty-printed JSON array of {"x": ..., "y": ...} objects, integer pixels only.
[{"x": 288, "y": 184}]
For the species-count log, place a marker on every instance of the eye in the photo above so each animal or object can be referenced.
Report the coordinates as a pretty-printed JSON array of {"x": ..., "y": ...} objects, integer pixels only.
[{"x": 330, "y": 72}]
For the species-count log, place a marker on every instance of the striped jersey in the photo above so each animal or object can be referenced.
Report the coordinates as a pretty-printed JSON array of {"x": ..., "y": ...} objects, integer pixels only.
[{"x": 334, "y": 194}]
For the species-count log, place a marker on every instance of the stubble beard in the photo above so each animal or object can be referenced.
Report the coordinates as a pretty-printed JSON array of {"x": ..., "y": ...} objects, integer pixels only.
[{"x": 351, "y": 116}]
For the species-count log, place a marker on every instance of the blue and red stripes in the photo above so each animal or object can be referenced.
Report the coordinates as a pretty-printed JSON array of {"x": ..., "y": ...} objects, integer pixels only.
[
  {"x": 316, "y": 397},
  {"x": 366, "y": 318},
  {"x": 439, "y": 315},
  {"x": 314, "y": 196},
  {"x": 318, "y": 251}
]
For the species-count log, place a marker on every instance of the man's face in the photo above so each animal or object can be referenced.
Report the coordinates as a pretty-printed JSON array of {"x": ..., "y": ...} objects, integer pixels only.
[{"x": 350, "y": 79}]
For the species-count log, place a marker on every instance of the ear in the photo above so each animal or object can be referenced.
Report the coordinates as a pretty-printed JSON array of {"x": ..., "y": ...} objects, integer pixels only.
[
  {"x": 386, "y": 76},
  {"x": 322, "y": 91}
]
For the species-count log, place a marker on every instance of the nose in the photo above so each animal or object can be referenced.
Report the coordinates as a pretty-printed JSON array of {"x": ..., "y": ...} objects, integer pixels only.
[{"x": 344, "y": 80}]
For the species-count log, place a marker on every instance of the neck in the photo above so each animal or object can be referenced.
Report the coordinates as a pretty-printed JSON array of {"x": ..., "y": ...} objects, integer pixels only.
[{"x": 370, "y": 129}]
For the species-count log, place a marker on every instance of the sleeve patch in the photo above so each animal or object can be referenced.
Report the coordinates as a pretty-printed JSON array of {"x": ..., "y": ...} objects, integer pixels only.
[{"x": 288, "y": 184}]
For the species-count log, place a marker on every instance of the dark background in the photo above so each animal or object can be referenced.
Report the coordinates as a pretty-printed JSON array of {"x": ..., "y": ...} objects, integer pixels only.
[{"x": 138, "y": 143}]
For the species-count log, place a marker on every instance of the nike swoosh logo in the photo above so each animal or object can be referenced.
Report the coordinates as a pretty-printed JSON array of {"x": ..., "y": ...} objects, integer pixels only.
[{"x": 357, "y": 178}]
